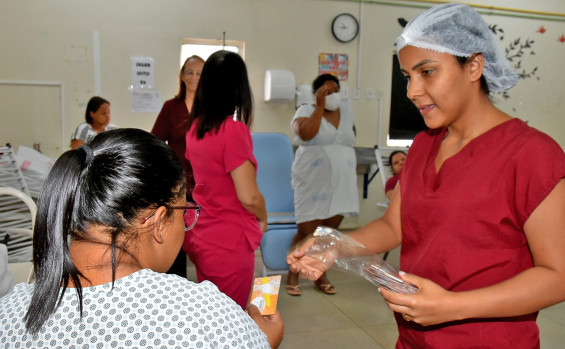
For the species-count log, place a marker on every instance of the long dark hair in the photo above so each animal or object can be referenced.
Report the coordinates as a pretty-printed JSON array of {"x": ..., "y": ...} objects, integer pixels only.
[
  {"x": 93, "y": 105},
  {"x": 223, "y": 90},
  {"x": 108, "y": 183},
  {"x": 181, "y": 95}
]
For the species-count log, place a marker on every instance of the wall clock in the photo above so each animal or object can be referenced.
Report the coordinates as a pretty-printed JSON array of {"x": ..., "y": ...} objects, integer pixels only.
[{"x": 345, "y": 27}]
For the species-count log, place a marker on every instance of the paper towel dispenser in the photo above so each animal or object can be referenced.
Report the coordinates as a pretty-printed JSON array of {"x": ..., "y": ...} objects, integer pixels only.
[
  {"x": 279, "y": 85},
  {"x": 304, "y": 95}
]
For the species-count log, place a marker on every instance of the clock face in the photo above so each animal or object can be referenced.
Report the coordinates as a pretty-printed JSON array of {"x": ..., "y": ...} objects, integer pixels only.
[{"x": 345, "y": 27}]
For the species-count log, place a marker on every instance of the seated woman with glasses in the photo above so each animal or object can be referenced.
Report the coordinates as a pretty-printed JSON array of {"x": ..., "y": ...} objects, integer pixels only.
[{"x": 109, "y": 223}]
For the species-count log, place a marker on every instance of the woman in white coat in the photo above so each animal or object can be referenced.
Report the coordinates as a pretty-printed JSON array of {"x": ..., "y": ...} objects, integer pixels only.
[{"x": 324, "y": 175}]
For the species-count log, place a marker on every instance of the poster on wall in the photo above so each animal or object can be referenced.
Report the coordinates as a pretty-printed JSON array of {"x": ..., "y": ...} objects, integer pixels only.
[
  {"x": 145, "y": 101},
  {"x": 142, "y": 72},
  {"x": 336, "y": 64}
]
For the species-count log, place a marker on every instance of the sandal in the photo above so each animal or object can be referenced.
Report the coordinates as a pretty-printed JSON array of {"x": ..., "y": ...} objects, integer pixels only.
[
  {"x": 326, "y": 288},
  {"x": 293, "y": 290}
]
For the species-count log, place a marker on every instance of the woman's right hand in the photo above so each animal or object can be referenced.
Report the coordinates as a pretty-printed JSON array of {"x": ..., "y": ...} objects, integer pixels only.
[
  {"x": 308, "y": 267},
  {"x": 321, "y": 94},
  {"x": 263, "y": 225}
]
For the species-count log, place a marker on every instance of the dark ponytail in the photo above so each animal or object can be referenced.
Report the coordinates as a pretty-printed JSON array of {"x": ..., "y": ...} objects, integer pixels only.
[
  {"x": 51, "y": 258},
  {"x": 123, "y": 172}
]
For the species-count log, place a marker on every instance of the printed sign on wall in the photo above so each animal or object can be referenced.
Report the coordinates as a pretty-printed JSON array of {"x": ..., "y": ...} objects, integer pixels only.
[{"x": 142, "y": 72}]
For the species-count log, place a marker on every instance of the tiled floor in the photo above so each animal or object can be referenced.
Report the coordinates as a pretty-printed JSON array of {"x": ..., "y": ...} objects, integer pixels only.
[{"x": 357, "y": 317}]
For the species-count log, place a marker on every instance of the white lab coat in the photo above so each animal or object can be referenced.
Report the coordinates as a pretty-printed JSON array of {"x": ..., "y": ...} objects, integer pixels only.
[{"x": 324, "y": 176}]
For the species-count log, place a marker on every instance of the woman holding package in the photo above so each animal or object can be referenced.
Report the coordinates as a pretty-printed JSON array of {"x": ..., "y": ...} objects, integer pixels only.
[
  {"x": 324, "y": 176},
  {"x": 110, "y": 220},
  {"x": 171, "y": 126},
  {"x": 479, "y": 207},
  {"x": 220, "y": 150}
]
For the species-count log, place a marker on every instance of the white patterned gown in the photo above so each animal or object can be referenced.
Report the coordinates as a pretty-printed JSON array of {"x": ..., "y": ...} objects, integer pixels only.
[{"x": 143, "y": 310}]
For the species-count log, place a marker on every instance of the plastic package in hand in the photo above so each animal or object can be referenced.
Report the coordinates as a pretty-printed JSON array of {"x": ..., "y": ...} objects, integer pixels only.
[{"x": 332, "y": 246}]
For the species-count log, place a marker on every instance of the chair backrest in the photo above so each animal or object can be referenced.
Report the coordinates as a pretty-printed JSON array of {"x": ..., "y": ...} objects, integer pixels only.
[
  {"x": 32, "y": 207},
  {"x": 385, "y": 172},
  {"x": 275, "y": 245},
  {"x": 7, "y": 280},
  {"x": 17, "y": 217},
  {"x": 274, "y": 154}
]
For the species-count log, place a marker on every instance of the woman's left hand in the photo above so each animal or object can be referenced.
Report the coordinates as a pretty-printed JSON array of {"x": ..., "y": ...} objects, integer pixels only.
[
  {"x": 271, "y": 325},
  {"x": 430, "y": 305}
]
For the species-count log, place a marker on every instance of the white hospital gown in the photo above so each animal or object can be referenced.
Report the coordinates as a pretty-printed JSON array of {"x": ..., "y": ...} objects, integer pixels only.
[
  {"x": 143, "y": 310},
  {"x": 324, "y": 176}
]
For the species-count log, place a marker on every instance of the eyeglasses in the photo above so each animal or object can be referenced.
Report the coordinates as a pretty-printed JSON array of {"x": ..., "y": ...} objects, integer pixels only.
[
  {"x": 191, "y": 213},
  {"x": 191, "y": 72}
]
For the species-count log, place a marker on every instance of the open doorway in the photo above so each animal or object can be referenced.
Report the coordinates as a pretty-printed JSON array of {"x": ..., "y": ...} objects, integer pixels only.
[{"x": 205, "y": 47}]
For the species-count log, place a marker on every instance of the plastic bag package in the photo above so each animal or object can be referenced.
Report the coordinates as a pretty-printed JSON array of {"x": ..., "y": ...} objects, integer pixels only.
[{"x": 349, "y": 255}]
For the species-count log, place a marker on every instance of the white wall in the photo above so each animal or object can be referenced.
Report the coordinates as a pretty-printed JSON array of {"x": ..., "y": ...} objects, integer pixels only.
[{"x": 52, "y": 41}]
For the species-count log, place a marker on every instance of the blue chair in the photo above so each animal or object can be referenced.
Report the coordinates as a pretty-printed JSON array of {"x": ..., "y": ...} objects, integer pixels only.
[
  {"x": 275, "y": 154},
  {"x": 275, "y": 245}
]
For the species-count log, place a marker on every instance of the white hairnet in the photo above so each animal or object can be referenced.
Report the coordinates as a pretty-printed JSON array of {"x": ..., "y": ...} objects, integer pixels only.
[{"x": 459, "y": 30}]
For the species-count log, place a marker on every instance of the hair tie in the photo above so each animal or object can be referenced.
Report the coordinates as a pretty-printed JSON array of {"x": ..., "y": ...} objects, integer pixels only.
[{"x": 89, "y": 154}]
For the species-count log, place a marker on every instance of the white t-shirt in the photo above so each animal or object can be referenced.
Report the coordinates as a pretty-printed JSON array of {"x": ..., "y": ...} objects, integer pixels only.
[
  {"x": 144, "y": 310},
  {"x": 86, "y": 133}
]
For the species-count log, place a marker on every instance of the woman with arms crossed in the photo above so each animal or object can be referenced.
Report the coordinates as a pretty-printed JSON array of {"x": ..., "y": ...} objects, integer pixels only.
[
  {"x": 479, "y": 208},
  {"x": 172, "y": 122},
  {"x": 171, "y": 126}
]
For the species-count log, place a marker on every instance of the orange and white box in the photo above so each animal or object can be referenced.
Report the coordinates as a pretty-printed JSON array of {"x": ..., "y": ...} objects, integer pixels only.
[{"x": 266, "y": 293}]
